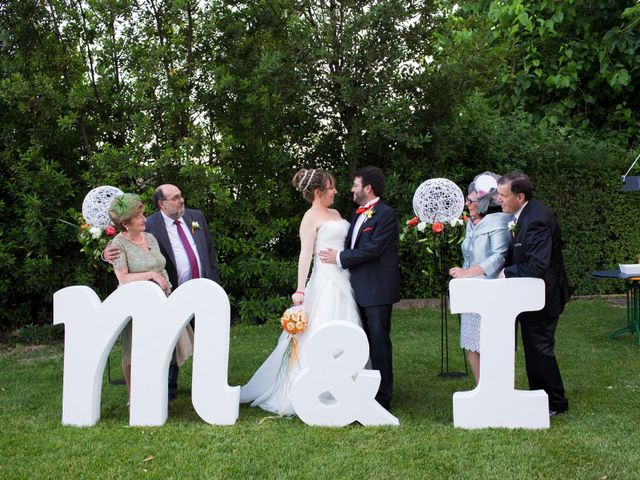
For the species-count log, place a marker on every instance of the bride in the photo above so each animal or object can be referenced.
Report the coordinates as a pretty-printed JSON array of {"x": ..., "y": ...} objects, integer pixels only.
[{"x": 328, "y": 294}]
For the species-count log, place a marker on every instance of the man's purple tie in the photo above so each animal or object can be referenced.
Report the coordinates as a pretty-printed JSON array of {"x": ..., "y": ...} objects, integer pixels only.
[{"x": 193, "y": 261}]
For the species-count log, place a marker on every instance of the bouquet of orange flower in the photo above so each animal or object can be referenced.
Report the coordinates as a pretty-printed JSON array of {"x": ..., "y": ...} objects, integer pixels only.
[{"x": 294, "y": 320}]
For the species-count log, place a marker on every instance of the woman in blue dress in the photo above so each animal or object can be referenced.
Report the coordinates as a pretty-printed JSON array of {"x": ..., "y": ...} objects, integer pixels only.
[{"x": 484, "y": 250}]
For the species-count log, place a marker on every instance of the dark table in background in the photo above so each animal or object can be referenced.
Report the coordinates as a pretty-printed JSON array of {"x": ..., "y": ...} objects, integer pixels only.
[{"x": 632, "y": 283}]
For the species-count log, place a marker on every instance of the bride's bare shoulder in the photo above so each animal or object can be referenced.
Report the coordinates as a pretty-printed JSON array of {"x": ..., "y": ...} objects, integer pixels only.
[
  {"x": 311, "y": 219},
  {"x": 315, "y": 219},
  {"x": 335, "y": 214}
]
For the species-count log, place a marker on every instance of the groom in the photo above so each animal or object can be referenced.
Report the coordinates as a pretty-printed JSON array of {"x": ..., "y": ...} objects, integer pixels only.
[{"x": 371, "y": 255}]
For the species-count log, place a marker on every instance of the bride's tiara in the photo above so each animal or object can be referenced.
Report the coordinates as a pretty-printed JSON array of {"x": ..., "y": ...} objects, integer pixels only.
[{"x": 300, "y": 187}]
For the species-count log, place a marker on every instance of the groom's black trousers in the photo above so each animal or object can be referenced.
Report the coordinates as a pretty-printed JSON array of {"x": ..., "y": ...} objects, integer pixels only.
[{"x": 376, "y": 322}]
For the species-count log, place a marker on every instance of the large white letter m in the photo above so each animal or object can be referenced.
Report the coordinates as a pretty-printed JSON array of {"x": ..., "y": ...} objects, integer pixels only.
[{"x": 91, "y": 328}]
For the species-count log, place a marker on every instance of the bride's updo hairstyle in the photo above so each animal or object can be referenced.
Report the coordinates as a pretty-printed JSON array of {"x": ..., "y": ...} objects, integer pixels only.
[{"x": 307, "y": 180}]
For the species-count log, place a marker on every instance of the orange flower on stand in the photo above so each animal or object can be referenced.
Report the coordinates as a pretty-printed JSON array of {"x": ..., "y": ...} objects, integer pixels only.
[
  {"x": 413, "y": 222},
  {"x": 433, "y": 234},
  {"x": 93, "y": 240}
]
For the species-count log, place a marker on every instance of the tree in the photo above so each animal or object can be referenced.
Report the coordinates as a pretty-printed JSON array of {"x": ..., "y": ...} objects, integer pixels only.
[
  {"x": 41, "y": 156},
  {"x": 570, "y": 63}
]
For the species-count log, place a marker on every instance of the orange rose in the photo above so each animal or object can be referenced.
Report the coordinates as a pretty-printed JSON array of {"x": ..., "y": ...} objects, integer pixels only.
[
  {"x": 413, "y": 222},
  {"x": 299, "y": 326},
  {"x": 290, "y": 327},
  {"x": 437, "y": 227}
]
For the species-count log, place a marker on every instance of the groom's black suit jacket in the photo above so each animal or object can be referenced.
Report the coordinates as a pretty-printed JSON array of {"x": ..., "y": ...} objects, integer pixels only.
[
  {"x": 202, "y": 237},
  {"x": 536, "y": 251},
  {"x": 373, "y": 262}
]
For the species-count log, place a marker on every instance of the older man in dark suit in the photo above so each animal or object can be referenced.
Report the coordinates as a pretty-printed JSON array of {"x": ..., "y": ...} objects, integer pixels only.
[
  {"x": 185, "y": 242},
  {"x": 536, "y": 251},
  {"x": 171, "y": 225},
  {"x": 371, "y": 255}
]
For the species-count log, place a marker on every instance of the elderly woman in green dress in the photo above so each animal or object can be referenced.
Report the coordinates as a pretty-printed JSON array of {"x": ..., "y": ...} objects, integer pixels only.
[
  {"x": 484, "y": 250},
  {"x": 140, "y": 259}
]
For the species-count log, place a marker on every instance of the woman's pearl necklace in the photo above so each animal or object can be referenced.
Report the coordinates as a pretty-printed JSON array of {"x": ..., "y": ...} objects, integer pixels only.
[{"x": 135, "y": 243}]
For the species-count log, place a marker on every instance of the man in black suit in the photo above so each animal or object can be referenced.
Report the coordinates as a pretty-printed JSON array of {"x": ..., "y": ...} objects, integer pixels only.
[
  {"x": 185, "y": 242},
  {"x": 536, "y": 251},
  {"x": 371, "y": 255}
]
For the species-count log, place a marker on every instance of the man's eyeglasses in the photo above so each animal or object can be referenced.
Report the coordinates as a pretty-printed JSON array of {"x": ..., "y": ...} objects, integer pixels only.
[
  {"x": 175, "y": 198},
  {"x": 469, "y": 201}
]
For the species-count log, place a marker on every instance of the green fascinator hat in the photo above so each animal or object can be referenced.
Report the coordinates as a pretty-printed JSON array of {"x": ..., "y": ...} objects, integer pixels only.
[{"x": 124, "y": 208}]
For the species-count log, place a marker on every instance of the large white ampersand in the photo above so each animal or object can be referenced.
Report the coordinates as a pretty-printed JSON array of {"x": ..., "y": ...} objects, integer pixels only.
[{"x": 332, "y": 389}]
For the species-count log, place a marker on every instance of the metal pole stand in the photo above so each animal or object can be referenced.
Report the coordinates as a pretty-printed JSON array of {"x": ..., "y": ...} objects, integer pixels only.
[
  {"x": 442, "y": 273},
  {"x": 112, "y": 382}
]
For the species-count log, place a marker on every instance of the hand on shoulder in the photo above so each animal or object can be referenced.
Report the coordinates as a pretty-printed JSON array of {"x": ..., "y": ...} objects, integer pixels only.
[{"x": 111, "y": 252}]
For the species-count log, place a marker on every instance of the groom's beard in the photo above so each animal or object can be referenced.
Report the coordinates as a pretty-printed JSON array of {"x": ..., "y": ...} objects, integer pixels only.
[{"x": 359, "y": 199}]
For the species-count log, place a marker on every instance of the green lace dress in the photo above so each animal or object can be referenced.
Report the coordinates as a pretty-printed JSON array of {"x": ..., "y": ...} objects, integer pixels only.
[{"x": 137, "y": 259}]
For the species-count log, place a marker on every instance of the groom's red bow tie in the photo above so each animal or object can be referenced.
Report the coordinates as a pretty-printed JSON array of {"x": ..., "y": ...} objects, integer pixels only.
[{"x": 360, "y": 210}]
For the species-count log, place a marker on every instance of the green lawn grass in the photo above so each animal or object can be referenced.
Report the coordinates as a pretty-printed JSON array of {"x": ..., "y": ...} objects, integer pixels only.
[{"x": 599, "y": 438}]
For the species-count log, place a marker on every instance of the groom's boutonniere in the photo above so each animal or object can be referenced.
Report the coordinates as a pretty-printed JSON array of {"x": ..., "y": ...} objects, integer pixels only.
[
  {"x": 513, "y": 227},
  {"x": 370, "y": 213},
  {"x": 194, "y": 226}
]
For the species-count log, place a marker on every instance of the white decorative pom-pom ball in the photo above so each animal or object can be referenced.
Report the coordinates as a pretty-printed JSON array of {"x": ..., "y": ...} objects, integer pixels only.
[
  {"x": 95, "y": 206},
  {"x": 438, "y": 200}
]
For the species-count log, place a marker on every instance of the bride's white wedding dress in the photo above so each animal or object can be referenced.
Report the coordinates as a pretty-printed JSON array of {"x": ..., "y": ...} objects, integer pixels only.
[{"x": 328, "y": 297}]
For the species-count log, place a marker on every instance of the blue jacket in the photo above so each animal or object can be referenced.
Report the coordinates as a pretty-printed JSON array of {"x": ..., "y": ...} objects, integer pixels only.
[{"x": 487, "y": 243}]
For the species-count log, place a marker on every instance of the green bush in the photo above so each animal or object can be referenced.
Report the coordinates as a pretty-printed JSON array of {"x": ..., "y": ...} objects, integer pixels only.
[{"x": 228, "y": 110}]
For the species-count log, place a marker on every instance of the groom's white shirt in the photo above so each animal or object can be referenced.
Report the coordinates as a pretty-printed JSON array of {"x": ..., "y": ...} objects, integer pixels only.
[{"x": 361, "y": 219}]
